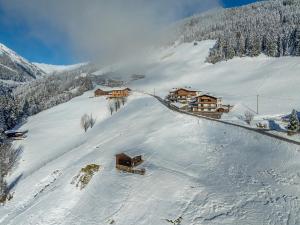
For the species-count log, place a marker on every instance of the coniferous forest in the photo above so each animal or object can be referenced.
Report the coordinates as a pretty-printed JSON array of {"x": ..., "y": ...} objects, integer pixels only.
[{"x": 268, "y": 27}]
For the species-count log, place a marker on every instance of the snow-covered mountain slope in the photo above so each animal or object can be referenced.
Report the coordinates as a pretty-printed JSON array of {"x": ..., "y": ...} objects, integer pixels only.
[
  {"x": 238, "y": 81},
  {"x": 51, "y": 69},
  {"x": 13, "y": 67},
  {"x": 197, "y": 172}
]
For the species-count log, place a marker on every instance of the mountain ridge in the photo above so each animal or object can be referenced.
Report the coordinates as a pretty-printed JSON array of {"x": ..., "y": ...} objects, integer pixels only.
[{"x": 16, "y": 68}]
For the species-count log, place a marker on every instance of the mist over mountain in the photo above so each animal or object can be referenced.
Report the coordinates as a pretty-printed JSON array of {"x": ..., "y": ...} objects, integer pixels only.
[{"x": 105, "y": 31}]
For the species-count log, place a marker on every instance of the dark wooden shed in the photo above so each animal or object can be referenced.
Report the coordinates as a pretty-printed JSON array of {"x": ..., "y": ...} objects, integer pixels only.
[
  {"x": 125, "y": 160},
  {"x": 100, "y": 92},
  {"x": 16, "y": 134}
]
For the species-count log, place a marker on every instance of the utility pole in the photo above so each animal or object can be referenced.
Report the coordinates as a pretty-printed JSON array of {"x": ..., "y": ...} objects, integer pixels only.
[{"x": 257, "y": 98}]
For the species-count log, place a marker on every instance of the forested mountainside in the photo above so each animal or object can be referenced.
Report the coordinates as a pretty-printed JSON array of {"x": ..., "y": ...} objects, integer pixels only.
[
  {"x": 15, "y": 68},
  {"x": 20, "y": 101},
  {"x": 26, "y": 90},
  {"x": 270, "y": 27},
  {"x": 33, "y": 97}
]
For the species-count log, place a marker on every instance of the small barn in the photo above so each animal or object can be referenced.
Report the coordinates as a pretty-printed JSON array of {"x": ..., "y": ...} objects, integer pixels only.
[
  {"x": 16, "y": 135},
  {"x": 100, "y": 92},
  {"x": 125, "y": 160}
]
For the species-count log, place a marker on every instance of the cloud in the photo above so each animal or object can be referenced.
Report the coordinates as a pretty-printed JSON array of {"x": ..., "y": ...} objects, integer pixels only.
[{"x": 104, "y": 29}]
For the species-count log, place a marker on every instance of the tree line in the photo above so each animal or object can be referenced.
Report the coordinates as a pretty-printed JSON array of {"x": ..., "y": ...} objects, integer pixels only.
[
  {"x": 31, "y": 98},
  {"x": 269, "y": 27}
]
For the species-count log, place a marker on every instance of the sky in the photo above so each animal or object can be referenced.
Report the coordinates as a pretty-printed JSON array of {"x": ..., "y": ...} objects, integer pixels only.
[{"x": 70, "y": 31}]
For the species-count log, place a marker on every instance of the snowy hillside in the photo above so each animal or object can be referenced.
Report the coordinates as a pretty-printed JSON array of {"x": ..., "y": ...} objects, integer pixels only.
[
  {"x": 238, "y": 81},
  {"x": 50, "y": 69},
  {"x": 13, "y": 67},
  {"x": 197, "y": 172}
]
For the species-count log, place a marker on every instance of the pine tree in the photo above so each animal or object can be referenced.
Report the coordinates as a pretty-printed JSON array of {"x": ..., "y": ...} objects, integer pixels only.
[
  {"x": 296, "y": 42},
  {"x": 294, "y": 122}
]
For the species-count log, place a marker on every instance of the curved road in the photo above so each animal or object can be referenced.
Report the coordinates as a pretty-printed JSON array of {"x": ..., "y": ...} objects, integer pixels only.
[{"x": 260, "y": 131}]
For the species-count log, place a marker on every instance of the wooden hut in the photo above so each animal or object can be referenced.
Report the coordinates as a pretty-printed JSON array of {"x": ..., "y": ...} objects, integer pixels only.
[
  {"x": 100, "y": 92},
  {"x": 16, "y": 135},
  {"x": 127, "y": 164},
  {"x": 125, "y": 160}
]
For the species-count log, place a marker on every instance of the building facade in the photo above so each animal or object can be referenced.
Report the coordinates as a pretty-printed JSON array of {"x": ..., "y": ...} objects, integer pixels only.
[
  {"x": 119, "y": 93},
  {"x": 206, "y": 103},
  {"x": 182, "y": 95}
]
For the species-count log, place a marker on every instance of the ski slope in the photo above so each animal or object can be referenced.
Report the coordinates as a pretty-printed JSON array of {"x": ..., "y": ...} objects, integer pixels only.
[{"x": 197, "y": 172}]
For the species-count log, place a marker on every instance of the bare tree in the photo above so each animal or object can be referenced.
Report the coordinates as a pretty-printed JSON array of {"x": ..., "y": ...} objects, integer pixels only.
[
  {"x": 248, "y": 117},
  {"x": 92, "y": 121},
  {"x": 85, "y": 122},
  {"x": 123, "y": 100},
  {"x": 117, "y": 104},
  {"x": 110, "y": 106},
  {"x": 111, "y": 109}
]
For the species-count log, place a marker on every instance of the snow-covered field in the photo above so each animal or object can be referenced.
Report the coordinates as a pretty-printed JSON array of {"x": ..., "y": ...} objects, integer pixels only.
[
  {"x": 197, "y": 171},
  {"x": 274, "y": 82},
  {"x": 238, "y": 81},
  {"x": 200, "y": 171}
]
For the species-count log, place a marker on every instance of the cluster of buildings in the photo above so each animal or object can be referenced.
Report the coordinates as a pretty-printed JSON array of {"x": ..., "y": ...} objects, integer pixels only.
[
  {"x": 196, "y": 101},
  {"x": 113, "y": 93}
]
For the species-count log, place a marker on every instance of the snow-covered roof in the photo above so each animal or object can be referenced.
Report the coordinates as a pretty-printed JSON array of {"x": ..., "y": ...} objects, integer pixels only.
[
  {"x": 208, "y": 95},
  {"x": 15, "y": 131},
  {"x": 105, "y": 88},
  {"x": 184, "y": 88}
]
